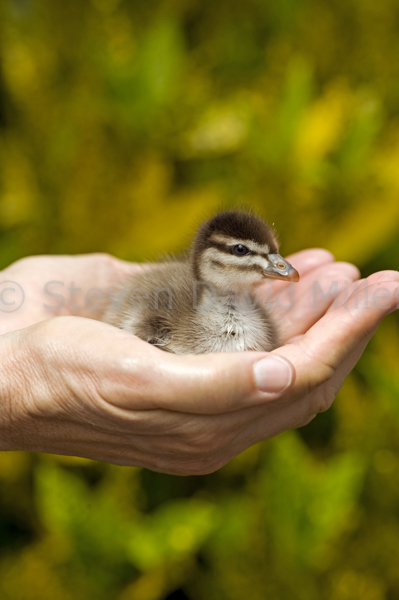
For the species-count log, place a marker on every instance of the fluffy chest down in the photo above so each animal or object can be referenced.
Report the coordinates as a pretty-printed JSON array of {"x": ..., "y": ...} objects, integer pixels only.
[{"x": 226, "y": 326}]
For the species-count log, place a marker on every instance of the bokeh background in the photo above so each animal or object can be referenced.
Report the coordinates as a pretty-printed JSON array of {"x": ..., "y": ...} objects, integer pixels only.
[{"x": 121, "y": 124}]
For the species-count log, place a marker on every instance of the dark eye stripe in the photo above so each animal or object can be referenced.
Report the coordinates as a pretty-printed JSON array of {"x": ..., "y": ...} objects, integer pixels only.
[{"x": 247, "y": 268}]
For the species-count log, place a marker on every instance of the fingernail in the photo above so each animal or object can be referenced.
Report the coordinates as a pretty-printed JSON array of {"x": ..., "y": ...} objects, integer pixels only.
[{"x": 273, "y": 374}]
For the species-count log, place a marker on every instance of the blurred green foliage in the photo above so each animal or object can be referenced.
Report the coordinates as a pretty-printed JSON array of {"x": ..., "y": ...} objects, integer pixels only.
[{"x": 122, "y": 123}]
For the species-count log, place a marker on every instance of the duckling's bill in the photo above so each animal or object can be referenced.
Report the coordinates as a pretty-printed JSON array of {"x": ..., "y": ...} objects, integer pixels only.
[{"x": 279, "y": 268}]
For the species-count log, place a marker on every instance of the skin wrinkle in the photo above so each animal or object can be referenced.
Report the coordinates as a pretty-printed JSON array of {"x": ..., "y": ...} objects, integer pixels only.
[
  {"x": 76, "y": 391},
  {"x": 47, "y": 356},
  {"x": 19, "y": 386},
  {"x": 10, "y": 419}
]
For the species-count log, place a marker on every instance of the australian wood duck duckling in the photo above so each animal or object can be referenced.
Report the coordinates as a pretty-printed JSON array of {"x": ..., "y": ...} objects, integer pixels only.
[{"x": 207, "y": 301}]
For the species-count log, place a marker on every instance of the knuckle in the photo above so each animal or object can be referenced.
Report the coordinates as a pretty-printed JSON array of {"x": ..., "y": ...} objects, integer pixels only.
[
  {"x": 324, "y": 398},
  {"x": 318, "y": 403},
  {"x": 106, "y": 262},
  {"x": 321, "y": 372},
  {"x": 105, "y": 258},
  {"x": 304, "y": 422}
]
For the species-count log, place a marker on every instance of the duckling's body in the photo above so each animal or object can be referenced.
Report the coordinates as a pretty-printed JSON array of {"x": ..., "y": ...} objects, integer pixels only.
[
  {"x": 207, "y": 303},
  {"x": 189, "y": 319}
]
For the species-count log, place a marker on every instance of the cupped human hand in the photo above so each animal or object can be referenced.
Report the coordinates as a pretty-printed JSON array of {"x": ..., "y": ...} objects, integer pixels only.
[{"x": 79, "y": 387}]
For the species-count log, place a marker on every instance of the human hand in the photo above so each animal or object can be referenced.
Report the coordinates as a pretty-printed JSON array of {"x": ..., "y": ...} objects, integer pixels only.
[
  {"x": 52, "y": 286},
  {"x": 90, "y": 390}
]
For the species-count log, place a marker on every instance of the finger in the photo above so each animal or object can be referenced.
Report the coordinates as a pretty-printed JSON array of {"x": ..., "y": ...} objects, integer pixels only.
[
  {"x": 280, "y": 416},
  {"x": 319, "y": 353},
  {"x": 363, "y": 286},
  {"x": 322, "y": 397},
  {"x": 243, "y": 428},
  {"x": 291, "y": 292},
  {"x": 300, "y": 306}
]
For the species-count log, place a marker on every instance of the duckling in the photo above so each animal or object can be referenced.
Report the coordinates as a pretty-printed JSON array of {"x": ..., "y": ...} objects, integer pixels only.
[{"x": 207, "y": 301}]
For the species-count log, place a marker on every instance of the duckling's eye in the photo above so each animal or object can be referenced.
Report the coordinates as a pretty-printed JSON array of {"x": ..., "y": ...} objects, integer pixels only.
[{"x": 240, "y": 250}]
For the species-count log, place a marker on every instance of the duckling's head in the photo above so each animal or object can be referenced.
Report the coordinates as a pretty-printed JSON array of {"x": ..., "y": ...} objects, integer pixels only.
[{"x": 235, "y": 250}]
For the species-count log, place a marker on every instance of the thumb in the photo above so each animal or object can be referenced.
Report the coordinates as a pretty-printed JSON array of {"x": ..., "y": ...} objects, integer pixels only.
[{"x": 209, "y": 383}]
